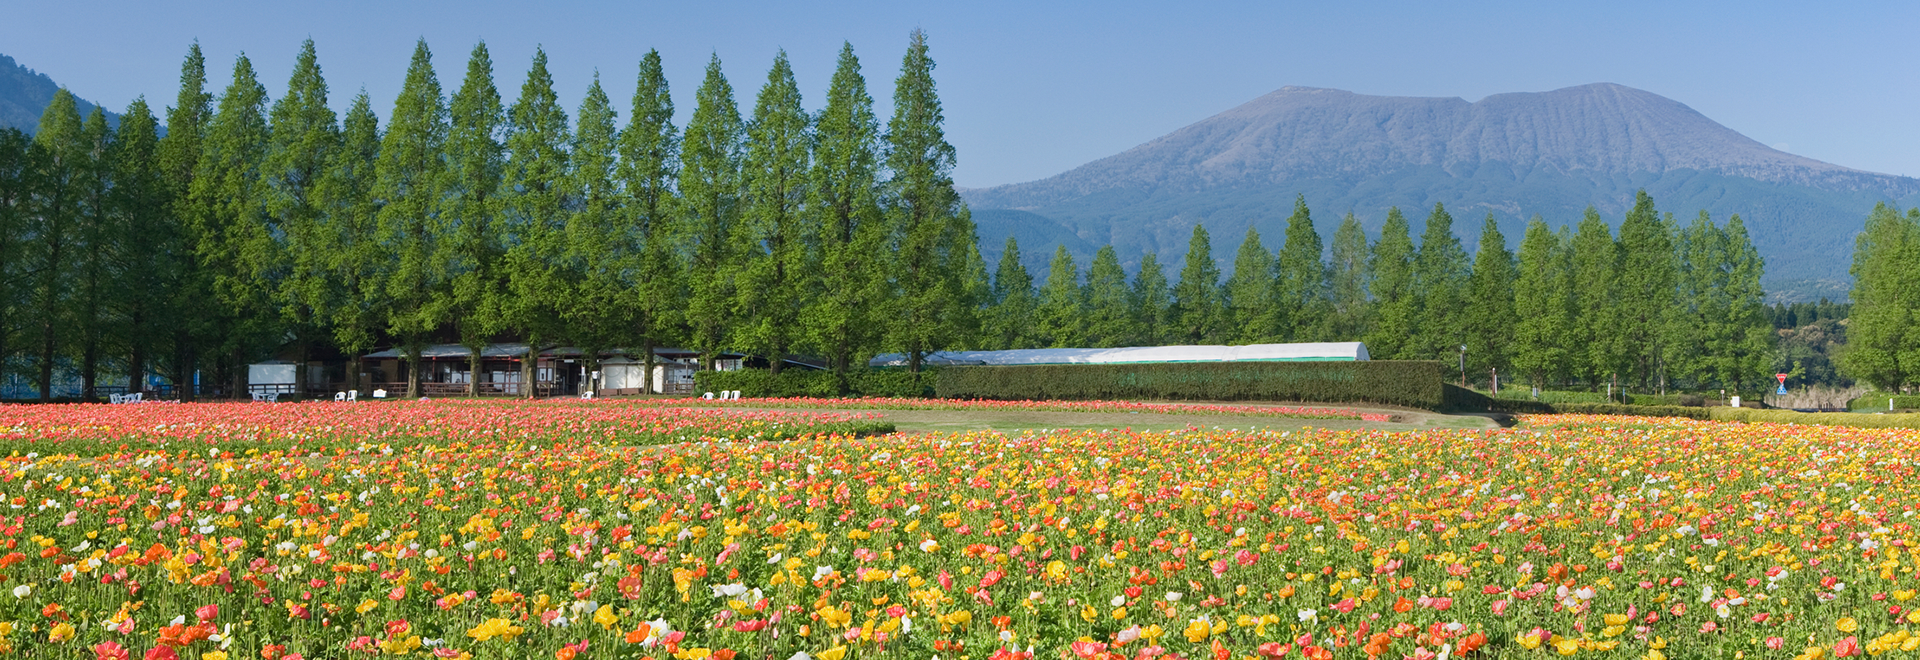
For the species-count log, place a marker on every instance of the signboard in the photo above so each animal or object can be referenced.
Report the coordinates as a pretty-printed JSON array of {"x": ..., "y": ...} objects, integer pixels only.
[{"x": 1783, "y": 383}]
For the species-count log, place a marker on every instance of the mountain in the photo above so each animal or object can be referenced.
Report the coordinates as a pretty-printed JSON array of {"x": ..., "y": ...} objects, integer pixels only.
[
  {"x": 1513, "y": 155},
  {"x": 24, "y": 94}
]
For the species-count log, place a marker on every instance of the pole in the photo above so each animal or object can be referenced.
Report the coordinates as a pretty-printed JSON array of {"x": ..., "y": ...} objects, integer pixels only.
[{"x": 1463, "y": 366}]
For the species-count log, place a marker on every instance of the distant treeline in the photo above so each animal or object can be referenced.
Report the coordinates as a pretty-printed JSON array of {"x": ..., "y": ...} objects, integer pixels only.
[{"x": 1661, "y": 305}]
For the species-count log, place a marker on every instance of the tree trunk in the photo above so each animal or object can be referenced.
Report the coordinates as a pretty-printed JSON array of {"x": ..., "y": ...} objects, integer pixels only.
[
  {"x": 89, "y": 365},
  {"x": 46, "y": 360},
  {"x": 647, "y": 365},
  {"x": 137, "y": 355},
  {"x": 473, "y": 371},
  {"x": 413, "y": 369},
  {"x": 527, "y": 386}
]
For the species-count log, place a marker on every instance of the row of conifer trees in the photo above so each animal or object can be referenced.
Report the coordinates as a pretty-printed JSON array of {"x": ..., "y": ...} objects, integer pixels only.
[
  {"x": 252, "y": 225},
  {"x": 1659, "y": 303}
]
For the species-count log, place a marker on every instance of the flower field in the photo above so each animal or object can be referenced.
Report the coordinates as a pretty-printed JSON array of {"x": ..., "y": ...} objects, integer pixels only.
[{"x": 568, "y": 531}]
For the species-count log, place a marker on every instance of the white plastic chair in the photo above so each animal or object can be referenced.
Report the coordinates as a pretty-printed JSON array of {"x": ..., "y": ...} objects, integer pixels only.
[
  {"x": 736, "y": 395},
  {"x": 113, "y": 398},
  {"x": 339, "y": 396},
  {"x": 135, "y": 397},
  {"x": 353, "y": 395},
  {"x": 709, "y": 396}
]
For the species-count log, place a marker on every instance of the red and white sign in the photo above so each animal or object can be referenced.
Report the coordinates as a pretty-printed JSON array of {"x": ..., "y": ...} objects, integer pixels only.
[{"x": 1782, "y": 378}]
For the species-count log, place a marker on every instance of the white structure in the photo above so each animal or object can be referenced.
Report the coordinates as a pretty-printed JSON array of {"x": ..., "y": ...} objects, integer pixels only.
[
  {"x": 1316, "y": 352},
  {"x": 275, "y": 377}
]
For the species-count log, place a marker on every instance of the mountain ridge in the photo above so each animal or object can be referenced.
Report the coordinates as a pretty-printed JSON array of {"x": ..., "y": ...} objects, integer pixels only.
[
  {"x": 25, "y": 93},
  {"x": 1513, "y": 154}
]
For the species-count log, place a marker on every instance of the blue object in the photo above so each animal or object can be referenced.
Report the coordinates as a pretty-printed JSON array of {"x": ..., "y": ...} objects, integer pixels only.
[{"x": 1782, "y": 390}]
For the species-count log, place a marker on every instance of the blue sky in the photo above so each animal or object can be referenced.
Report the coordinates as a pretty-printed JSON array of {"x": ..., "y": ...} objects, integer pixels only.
[{"x": 1033, "y": 88}]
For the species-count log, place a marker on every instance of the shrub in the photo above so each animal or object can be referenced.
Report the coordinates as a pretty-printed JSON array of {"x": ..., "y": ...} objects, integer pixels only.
[
  {"x": 1689, "y": 412},
  {"x": 812, "y": 383},
  {"x": 1877, "y": 401},
  {"x": 1857, "y": 420},
  {"x": 1415, "y": 384}
]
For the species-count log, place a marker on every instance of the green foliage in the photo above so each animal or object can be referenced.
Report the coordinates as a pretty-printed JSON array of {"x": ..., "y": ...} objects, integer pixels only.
[
  {"x": 710, "y": 190},
  {"x": 1646, "y": 293},
  {"x": 1348, "y": 277},
  {"x": 843, "y": 316},
  {"x": 1414, "y": 384},
  {"x": 1152, "y": 303},
  {"x": 1490, "y": 303},
  {"x": 595, "y": 251},
  {"x": 1111, "y": 321},
  {"x": 933, "y": 235},
  {"x": 304, "y": 135},
  {"x": 1542, "y": 307},
  {"x": 1595, "y": 265},
  {"x": 409, "y": 179},
  {"x": 775, "y": 265},
  {"x": 1253, "y": 315},
  {"x": 1856, "y": 420},
  {"x": 351, "y": 298},
  {"x": 649, "y": 153},
  {"x": 1877, "y": 402},
  {"x": 1199, "y": 311},
  {"x": 1011, "y": 313},
  {"x": 1300, "y": 300},
  {"x": 1396, "y": 306},
  {"x": 815, "y": 383},
  {"x": 1441, "y": 274},
  {"x": 1883, "y": 345},
  {"x": 474, "y": 244},
  {"x": 1061, "y": 315}
]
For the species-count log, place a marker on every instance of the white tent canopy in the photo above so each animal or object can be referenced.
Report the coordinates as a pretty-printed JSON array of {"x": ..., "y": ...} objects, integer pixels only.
[{"x": 1313, "y": 352}]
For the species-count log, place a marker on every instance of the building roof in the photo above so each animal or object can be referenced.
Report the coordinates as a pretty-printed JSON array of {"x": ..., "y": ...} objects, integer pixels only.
[{"x": 1308, "y": 352}]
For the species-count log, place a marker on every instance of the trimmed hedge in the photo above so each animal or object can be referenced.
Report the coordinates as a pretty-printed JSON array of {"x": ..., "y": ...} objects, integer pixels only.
[
  {"x": 1877, "y": 401},
  {"x": 1410, "y": 383},
  {"x": 811, "y": 383},
  {"x": 1857, "y": 420},
  {"x": 1690, "y": 412}
]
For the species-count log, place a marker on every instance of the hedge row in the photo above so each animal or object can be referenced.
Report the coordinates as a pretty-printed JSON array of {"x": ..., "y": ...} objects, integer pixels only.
[
  {"x": 1857, "y": 420},
  {"x": 1874, "y": 401},
  {"x": 1414, "y": 384},
  {"x": 811, "y": 383}
]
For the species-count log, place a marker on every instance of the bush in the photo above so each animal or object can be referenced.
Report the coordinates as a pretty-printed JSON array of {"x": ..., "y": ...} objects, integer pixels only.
[
  {"x": 1414, "y": 384},
  {"x": 1857, "y": 420},
  {"x": 1877, "y": 401},
  {"x": 811, "y": 383},
  {"x": 1690, "y": 412}
]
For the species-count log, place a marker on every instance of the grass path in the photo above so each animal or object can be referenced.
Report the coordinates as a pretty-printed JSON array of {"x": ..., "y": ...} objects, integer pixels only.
[{"x": 1014, "y": 421}]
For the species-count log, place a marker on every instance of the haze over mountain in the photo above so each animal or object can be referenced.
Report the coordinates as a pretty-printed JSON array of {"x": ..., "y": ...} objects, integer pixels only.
[
  {"x": 1514, "y": 155},
  {"x": 24, "y": 94}
]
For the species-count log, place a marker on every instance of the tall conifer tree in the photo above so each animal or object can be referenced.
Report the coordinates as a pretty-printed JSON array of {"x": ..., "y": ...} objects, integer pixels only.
[
  {"x": 1396, "y": 303},
  {"x": 1646, "y": 290},
  {"x": 354, "y": 301},
  {"x": 1110, "y": 319},
  {"x": 1347, "y": 280},
  {"x": 55, "y": 223},
  {"x": 596, "y": 259},
  {"x": 777, "y": 262},
  {"x": 1752, "y": 342},
  {"x": 148, "y": 245},
  {"x": 1542, "y": 307},
  {"x": 848, "y": 224},
  {"x": 410, "y": 179},
  {"x": 1152, "y": 303},
  {"x": 649, "y": 158},
  {"x": 98, "y": 265},
  {"x": 534, "y": 205},
  {"x": 1596, "y": 327},
  {"x": 1061, "y": 317},
  {"x": 1199, "y": 311},
  {"x": 1440, "y": 275},
  {"x": 230, "y": 222},
  {"x": 1490, "y": 303},
  {"x": 1300, "y": 305},
  {"x": 474, "y": 249},
  {"x": 710, "y": 187},
  {"x": 1252, "y": 312},
  {"x": 1010, "y": 321},
  {"x": 290, "y": 255},
  {"x": 187, "y": 300},
  {"x": 932, "y": 230}
]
